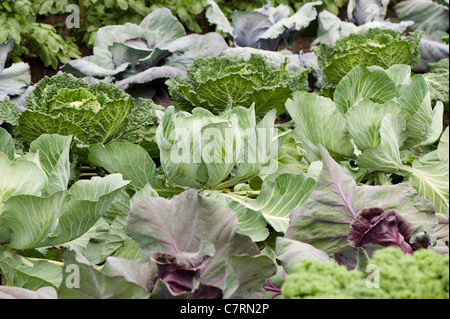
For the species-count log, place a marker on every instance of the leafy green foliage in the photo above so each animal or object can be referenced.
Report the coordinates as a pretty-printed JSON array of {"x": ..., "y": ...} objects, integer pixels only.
[
  {"x": 218, "y": 84},
  {"x": 222, "y": 195},
  {"x": 137, "y": 56},
  {"x": 384, "y": 120},
  {"x": 97, "y": 113},
  {"x": 19, "y": 20},
  {"x": 382, "y": 48}
]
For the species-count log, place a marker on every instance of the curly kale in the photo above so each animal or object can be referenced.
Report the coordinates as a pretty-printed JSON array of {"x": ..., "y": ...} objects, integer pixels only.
[{"x": 424, "y": 275}]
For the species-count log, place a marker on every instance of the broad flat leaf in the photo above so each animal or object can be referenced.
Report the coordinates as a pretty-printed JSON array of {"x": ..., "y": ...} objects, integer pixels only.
[
  {"x": 129, "y": 250},
  {"x": 133, "y": 162},
  {"x": 364, "y": 121},
  {"x": 318, "y": 121},
  {"x": 112, "y": 236},
  {"x": 291, "y": 252},
  {"x": 20, "y": 177},
  {"x": 164, "y": 26},
  {"x": 427, "y": 15},
  {"x": 361, "y": 12},
  {"x": 363, "y": 83},
  {"x": 123, "y": 53},
  {"x": 94, "y": 284},
  {"x": 29, "y": 273},
  {"x": 216, "y": 16},
  {"x": 279, "y": 197},
  {"x": 89, "y": 66},
  {"x": 4, "y": 51},
  {"x": 324, "y": 220},
  {"x": 6, "y": 144},
  {"x": 250, "y": 223},
  {"x": 54, "y": 158},
  {"x": 256, "y": 145},
  {"x": 399, "y": 73},
  {"x": 31, "y": 218},
  {"x": 246, "y": 275},
  {"x": 86, "y": 203},
  {"x": 386, "y": 156},
  {"x": 443, "y": 150},
  {"x": 22, "y": 293},
  {"x": 194, "y": 46},
  {"x": 152, "y": 74},
  {"x": 431, "y": 180},
  {"x": 417, "y": 111},
  {"x": 438, "y": 81},
  {"x": 298, "y": 21},
  {"x": 15, "y": 79},
  {"x": 249, "y": 27},
  {"x": 132, "y": 271},
  {"x": 433, "y": 50},
  {"x": 155, "y": 224}
]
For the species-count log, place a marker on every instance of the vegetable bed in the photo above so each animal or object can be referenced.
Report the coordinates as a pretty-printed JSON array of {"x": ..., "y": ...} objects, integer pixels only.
[{"x": 209, "y": 149}]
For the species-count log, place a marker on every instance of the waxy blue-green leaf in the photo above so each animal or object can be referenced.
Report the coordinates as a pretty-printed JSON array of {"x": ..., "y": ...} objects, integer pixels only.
[{"x": 428, "y": 15}]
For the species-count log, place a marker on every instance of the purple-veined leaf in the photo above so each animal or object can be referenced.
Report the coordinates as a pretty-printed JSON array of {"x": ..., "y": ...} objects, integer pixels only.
[{"x": 324, "y": 220}]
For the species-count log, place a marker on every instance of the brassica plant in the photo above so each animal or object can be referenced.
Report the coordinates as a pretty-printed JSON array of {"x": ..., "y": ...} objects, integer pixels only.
[
  {"x": 262, "y": 28},
  {"x": 385, "y": 121},
  {"x": 38, "y": 209},
  {"x": 14, "y": 81},
  {"x": 156, "y": 49},
  {"x": 97, "y": 113},
  {"x": 219, "y": 83},
  {"x": 379, "y": 47}
]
